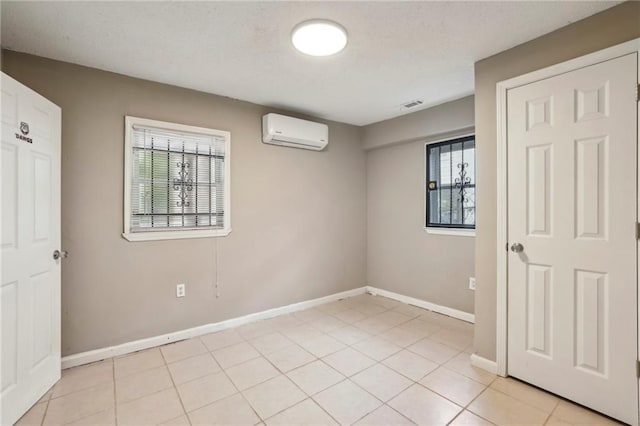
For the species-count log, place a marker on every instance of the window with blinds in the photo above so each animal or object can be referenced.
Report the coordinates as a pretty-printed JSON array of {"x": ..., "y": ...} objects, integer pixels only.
[
  {"x": 451, "y": 184},
  {"x": 178, "y": 179}
]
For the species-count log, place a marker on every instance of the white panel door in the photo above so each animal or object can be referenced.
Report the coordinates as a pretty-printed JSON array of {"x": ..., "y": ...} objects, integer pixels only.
[
  {"x": 30, "y": 288},
  {"x": 572, "y": 191}
]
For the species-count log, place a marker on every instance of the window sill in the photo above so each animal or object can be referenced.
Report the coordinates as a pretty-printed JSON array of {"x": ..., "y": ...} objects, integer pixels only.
[
  {"x": 175, "y": 235},
  {"x": 451, "y": 231}
]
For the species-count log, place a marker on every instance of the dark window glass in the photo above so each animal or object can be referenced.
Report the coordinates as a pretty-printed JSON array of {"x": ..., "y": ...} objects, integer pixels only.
[{"x": 451, "y": 184}]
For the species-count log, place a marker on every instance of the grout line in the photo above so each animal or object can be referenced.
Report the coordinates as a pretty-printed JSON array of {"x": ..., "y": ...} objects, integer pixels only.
[
  {"x": 115, "y": 396},
  {"x": 175, "y": 388}
]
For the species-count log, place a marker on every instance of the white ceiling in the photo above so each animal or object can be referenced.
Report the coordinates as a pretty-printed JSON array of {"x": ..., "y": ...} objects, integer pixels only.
[{"x": 397, "y": 51}]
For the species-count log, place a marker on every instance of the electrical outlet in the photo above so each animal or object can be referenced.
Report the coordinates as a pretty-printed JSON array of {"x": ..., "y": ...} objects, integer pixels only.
[
  {"x": 181, "y": 290},
  {"x": 472, "y": 283}
]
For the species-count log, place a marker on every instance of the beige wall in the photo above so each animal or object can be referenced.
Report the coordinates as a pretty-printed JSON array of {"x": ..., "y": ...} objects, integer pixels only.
[
  {"x": 611, "y": 27},
  {"x": 401, "y": 256},
  {"x": 454, "y": 116},
  {"x": 298, "y": 216}
]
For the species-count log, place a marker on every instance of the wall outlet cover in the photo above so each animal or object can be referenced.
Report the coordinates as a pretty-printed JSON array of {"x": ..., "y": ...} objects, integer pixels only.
[
  {"x": 181, "y": 290},
  {"x": 472, "y": 283}
]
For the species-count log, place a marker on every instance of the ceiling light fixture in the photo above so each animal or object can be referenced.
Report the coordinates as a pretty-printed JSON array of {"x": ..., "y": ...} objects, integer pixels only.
[{"x": 319, "y": 37}]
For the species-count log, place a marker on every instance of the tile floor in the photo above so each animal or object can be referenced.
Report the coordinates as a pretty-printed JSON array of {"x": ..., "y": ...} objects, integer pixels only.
[{"x": 365, "y": 360}]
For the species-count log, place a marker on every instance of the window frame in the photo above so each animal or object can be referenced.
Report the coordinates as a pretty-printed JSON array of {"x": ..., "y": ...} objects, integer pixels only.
[
  {"x": 173, "y": 234},
  {"x": 444, "y": 229}
]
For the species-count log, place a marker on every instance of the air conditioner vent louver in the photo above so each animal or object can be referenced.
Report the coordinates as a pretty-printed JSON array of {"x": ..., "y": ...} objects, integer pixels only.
[{"x": 412, "y": 104}]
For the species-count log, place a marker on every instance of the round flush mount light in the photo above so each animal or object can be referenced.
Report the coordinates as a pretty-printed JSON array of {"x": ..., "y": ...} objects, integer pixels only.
[{"x": 319, "y": 37}]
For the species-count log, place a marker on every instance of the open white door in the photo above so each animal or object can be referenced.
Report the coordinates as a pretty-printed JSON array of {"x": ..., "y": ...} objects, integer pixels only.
[
  {"x": 30, "y": 292},
  {"x": 572, "y": 268}
]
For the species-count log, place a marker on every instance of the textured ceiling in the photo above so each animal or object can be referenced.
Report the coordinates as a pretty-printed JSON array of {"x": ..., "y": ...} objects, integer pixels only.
[{"x": 397, "y": 51}]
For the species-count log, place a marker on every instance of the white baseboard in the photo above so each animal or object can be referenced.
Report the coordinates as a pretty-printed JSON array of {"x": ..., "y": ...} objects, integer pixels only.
[
  {"x": 137, "y": 345},
  {"x": 485, "y": 364},
  {"x": 455, "y": 313}
]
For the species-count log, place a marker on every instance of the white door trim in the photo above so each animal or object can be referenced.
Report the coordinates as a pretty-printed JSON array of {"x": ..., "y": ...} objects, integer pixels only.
[{"x": 502, "y": 220}]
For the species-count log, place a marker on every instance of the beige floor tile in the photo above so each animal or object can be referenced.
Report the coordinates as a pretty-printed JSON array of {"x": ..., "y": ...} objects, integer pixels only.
[
  {"x": 205, "y": 390},
  {"x": 333, "y": 307},
  {"x": 309, "y": 315},
  {"x": 461, "y": 364},
  {"x": 502, "y": 409},
  {"x": 143, "y": 383},
  {"x": 347, "y": 402},
  {"x": 273, "y": 396},
  {"x": 83, "y": 377},
  {"x": 468, "y": 418},
  {"x": 369, "y": 308},
  {"x": 372, "y": 325},
  {"x": 34, "y": 416},
  {"x": 322, "y": 345},
  {"x": 327, "y": 324},
  {"x": 526, "y": 393},
  {"x": 410, "y": 310},
  {"x": 424, "y": 407},
  {"x": 251, "y": 373},
  {"x": 151, "y": 409},
  {"x": 384, "y": 416},
  {"x": 384, "y": 301},
  {"x": 183, "y": 420},
  {"x": 289, "y": 358},
  {"x": 103, "y": 418},
  {"x": 401, "y": 336},
  {"x": 577, "y": 415},
  {"x": 306, "y": 412},
  {"x": 382, "y": 382},
  {"x": 235, "y": 354},
  {"x": 377, "y": 348},
  {"x": 233, "y": 410},
  {"x": 137, "y": 362},
  {"x": 255, "y": 329},
  {"x": 315, "y": 377},
  {"x": 452, "y": 338},
  {"x": 424, "y": 328},
  {"x": 302, "y": 333},
  {"x": 193, "y": 368},
  {"x": 349, "y": 335},
  {"x": 434, "y": 351},
  {"x": 350, "y": 316},
  {"x": 270, "y": 343},
  {"x": 392, "y": 318},
  {"x": 284, "y": 322},
  {"x": 74, "y": 406},
  {"x": 348, "y": 361},
  {"x": 221, "y": 339},
  {"x": 183, "y": 349},
  {"x": 555, "y": 421},
  {"x": 410, "y": 364},
  {"x": 453, "y": 386}
]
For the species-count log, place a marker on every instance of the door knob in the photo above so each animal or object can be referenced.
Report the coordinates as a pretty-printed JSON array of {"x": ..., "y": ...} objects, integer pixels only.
[
  {"x": 57, "y": 254},
  {"x": 517, "y": 247}
]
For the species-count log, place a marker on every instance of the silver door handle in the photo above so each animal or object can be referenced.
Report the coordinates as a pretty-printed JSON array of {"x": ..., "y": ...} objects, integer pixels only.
[
  {"x": 57, "y": 254},
  {"x": 517, "y": 247}
]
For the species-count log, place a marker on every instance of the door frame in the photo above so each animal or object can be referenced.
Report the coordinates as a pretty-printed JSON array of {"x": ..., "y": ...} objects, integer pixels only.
[{"x": 502, "y": 88}]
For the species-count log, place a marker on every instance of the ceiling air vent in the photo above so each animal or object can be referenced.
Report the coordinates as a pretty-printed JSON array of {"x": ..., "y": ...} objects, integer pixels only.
[{"x": 412, "y": 104}]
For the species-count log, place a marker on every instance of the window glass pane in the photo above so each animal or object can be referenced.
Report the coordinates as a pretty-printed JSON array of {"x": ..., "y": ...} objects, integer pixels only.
[
  {"x": 177, "y": 180},
  {"x": 451, "y": 183}
]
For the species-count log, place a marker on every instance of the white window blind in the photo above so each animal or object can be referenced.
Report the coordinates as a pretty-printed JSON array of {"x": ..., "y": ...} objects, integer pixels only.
[{"x": 177, "y": 180}]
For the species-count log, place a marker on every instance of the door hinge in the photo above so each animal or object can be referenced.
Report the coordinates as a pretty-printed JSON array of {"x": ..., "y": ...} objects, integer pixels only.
[
  {"x": 638, "y": 369},
  {"x": 637, "y": 230},
  {"x": 638, "y": 93}
]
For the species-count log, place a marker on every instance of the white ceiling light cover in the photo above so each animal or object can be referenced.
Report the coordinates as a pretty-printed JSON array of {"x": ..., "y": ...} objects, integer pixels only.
[{"x": 319, "y": 37}]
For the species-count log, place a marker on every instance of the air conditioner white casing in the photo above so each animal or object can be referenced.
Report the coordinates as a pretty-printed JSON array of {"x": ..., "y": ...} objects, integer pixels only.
[{"x": 293, "y": 132}]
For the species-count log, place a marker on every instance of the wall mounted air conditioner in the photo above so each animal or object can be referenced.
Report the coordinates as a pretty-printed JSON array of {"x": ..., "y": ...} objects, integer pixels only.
[{"x": 288, "y": 131}]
